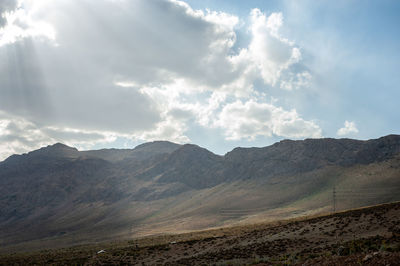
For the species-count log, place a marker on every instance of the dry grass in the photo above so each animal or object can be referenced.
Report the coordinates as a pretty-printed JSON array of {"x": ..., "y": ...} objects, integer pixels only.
[{"x": 367, "y": 235}]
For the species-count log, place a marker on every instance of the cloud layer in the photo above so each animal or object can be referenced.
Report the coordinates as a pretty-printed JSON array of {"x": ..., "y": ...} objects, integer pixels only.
[{"x": 89, "y": 72}]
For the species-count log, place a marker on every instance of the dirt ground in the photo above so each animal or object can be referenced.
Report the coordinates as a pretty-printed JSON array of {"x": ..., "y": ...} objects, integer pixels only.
[{"x": 367, "y": 236}]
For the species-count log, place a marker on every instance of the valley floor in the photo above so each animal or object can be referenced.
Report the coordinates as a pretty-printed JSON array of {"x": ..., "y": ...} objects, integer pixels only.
[{"x": 366, "y": 236}]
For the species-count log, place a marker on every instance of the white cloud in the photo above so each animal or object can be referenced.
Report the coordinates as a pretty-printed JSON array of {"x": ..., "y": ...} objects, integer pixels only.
[
  {"x": 349, "y": 128},
  {"x": 251, "y": 119},
  {"x": 268, "y": 53},
  {"x": 206, "y": 112},
  {"x": 290, "y": 124},
  {"x": 18, "y": 24},
  {"x": 273, "y": 23}
]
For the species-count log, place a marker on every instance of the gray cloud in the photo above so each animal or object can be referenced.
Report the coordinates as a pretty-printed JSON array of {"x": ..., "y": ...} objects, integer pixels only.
[
  {"x": 72, "y": 136},
  {"x": 50, "y": 85},
  {"x": 99, "y": 43},
  {"x": 6, "y": 6},
  {"x": 148, "y": 41},
  {"x": 18, "y": 134},
  {"x": 69, "y": 87}
]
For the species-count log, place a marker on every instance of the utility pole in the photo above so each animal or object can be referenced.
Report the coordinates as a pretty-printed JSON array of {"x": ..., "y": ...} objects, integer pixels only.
[{"x": 334, "y": 198}]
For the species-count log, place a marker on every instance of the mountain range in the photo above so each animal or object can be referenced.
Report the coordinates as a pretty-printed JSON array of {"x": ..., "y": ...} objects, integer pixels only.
[{"x": 60, "y": 196}]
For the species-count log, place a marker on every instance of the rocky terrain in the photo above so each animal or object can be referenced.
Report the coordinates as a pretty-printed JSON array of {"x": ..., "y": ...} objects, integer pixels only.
[
  {"x": 367, "y": 236},
  {"x": 58, "y": 196}
]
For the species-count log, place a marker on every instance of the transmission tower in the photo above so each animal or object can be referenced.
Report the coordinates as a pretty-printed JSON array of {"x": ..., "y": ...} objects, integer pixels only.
[{"x": 334, "y": 198}]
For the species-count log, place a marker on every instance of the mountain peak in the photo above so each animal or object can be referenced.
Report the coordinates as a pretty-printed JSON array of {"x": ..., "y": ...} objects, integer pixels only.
[
  {"x": 60, "y": 145},
  {"x": 189, "y": 149},
  {"x": 157, "y": 144},
  {"x": 56, "y": 150}
]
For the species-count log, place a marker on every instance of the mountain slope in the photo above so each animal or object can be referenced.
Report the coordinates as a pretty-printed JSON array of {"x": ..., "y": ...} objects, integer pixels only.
[
  {"x": 60, "y": 194},
  {"x": 291, "y": 157},
  {"x": 191, "y": 165}
]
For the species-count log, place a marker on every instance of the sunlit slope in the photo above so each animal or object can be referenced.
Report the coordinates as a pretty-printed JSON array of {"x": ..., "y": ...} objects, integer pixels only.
[{"x": 278, "y": 198}]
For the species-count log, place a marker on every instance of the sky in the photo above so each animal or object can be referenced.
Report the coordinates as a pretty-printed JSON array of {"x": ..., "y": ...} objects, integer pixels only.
[{"x": 221, "y": 74}]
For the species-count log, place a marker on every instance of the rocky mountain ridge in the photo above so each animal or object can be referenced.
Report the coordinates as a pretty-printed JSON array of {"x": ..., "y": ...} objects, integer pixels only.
[{"x": 58, "y": 188}]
